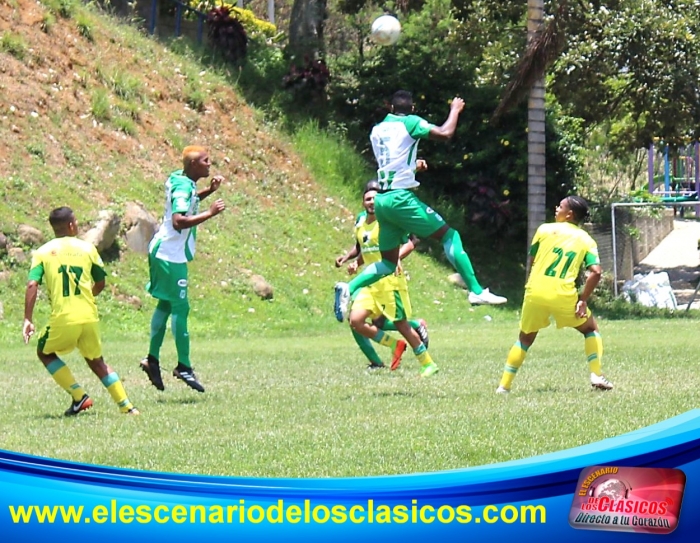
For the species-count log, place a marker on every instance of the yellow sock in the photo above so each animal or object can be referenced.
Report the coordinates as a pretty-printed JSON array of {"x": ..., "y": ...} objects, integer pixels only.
[
  {"x": 385, "y": 339},
  {"x": 423, "y": 355},
  {"x": 115, "y": 388},
  {"x": 516, "y": 357},
  {"x": 593, "y": 344},
  {"x": 64, "y": 377}
]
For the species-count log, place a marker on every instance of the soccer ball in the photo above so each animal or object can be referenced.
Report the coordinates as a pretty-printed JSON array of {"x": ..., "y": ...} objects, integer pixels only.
[{"x": 386, "y": 30}]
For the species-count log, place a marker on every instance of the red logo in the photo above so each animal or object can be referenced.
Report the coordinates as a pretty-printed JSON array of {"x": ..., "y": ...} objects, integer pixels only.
[{"x": 626, "y": 499}]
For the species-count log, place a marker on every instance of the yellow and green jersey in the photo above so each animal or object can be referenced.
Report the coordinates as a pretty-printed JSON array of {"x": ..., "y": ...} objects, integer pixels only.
[
  {"x": 559, "y": 250},
  {"x": 69, "y": 267},
  {"x": 367, "y": 235}
]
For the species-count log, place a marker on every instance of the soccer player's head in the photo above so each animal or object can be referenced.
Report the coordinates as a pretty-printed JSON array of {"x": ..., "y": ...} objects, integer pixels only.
[
  {"x": 572, "y": 209},
  {"x": 371, "y": 190},
  {"x": 402, "y": 102},
  {"x": 195, "y": 162},
  {"x": 63, "y": 222},
  {"x": 372, "y": 184}
]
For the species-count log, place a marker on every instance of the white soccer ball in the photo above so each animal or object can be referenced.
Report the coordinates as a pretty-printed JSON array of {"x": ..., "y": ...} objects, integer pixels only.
[{"x": 386, "y": 30}]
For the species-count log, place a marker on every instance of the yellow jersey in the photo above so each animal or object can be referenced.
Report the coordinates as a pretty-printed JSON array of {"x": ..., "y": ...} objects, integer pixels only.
[
  {"x": 70, "y": 267},
  {"x": 559, "y": 250},
  {"x": 367, "y": 235}
]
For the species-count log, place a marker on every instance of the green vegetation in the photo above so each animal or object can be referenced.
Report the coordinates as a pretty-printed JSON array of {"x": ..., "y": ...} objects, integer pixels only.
[{"x": 13, "y": 45}]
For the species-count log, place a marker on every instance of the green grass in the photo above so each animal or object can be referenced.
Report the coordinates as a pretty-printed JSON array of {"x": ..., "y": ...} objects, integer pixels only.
[
  {"x": 14, "y": 45},
  {"x": 304, "y": 406}
]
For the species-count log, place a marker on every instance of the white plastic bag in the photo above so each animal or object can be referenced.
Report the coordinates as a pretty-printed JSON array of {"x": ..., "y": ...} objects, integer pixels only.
[{"x": 651, "y": 290}]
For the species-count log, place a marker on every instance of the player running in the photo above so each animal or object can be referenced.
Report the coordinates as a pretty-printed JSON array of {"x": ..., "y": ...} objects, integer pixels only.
[
  {"x": 387, "y": 300},
  {"x": 74, "y": 274}
]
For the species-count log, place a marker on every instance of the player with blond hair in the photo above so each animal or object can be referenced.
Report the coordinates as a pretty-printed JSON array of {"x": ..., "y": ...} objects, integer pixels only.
[{"x": 172, "y": 247}]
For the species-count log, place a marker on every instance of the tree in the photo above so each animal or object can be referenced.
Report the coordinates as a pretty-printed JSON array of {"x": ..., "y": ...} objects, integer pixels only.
[
  {"x": 306, "y": 29},
  {"x": 536, "y": 164}
]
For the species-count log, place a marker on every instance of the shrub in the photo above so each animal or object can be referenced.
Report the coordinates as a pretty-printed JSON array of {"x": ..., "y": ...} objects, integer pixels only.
[{"x": 226, "y": 34}]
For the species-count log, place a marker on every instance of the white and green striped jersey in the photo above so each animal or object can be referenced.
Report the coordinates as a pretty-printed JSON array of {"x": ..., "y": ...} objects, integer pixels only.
[
  {"x": 180, "y": 197},
  {"x": 395, "y": 145}
]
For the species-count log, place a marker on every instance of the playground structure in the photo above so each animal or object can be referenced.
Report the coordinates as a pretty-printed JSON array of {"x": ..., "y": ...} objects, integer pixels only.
[{"x": 676, "y": 176}]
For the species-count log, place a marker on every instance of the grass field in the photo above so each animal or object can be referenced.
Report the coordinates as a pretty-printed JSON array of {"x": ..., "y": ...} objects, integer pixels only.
[{"x": 306, "y": 407}]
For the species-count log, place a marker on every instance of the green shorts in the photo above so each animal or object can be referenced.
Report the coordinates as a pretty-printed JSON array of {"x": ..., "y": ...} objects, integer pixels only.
[
  {"x": 168, "y": 280},
  {"x": 63, "y": 339},
  {"x": 400, "y": 212}
]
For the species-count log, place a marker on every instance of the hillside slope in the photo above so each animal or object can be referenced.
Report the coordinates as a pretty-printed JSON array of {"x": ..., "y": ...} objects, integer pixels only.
[{"x": 95, "y": 115}]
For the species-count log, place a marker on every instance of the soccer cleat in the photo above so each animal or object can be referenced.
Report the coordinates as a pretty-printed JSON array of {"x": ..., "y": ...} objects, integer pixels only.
[
  {"x": 398, "y": 353},
  {"x": 81, "y": 405},
  {"x": 132, "y": 411},
  {"x": 342, "y": 301},
  {"x": 429, "y": 369},
  {"x": 375, "y": 366},
  {"x": 599, "y": 381},
  {"x": 422, "y": 331},
  {"x": 502, "y": 390},
  {"x": 486, "y": 298},
  {"x": 151, "y": 366},
  {"x": 188, "y": 376}
]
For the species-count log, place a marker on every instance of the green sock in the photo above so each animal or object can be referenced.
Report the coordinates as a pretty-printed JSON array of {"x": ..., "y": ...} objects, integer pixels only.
[
  {"x": 371, "y": 274},
  {"x": 452, "y": 244},
  {"x": 159, "y": 324},
  {"x": 389, "y": 326},
  {"x": 365, "y": 346},
  {"x": 182, "y": 336}
]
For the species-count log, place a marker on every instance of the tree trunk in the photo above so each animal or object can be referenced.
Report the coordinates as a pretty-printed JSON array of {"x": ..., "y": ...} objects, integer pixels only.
[
  {"x": 536, "y": 181},
  {"x": 306, "y": 29}
]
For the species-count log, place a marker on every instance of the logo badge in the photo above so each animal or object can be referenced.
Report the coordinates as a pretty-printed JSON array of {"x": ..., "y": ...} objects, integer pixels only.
[{"x": 628, "y": 499}]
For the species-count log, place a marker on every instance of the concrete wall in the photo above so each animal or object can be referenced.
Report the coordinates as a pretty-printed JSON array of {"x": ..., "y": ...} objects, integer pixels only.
[{"x": 636, "y": 237}]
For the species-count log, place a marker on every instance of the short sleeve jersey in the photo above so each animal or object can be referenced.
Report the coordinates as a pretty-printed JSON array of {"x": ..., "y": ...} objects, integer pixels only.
[
  {"x": 395, "y": 145},
  {"x": 367, "y": 235},
  {"x": 180, "y": 197},
  {"x": 69, "y": 267},
  {"x": 559, "y": 251}
]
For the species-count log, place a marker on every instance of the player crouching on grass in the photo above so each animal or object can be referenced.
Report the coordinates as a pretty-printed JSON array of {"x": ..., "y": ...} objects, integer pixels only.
[
  {"x": 74, "y": 275},
  {"x": 557, "y": 253}
]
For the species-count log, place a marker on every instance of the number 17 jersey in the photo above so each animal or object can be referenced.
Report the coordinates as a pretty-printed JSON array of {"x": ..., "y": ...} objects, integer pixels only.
[
  {"x": 559, "y": 250},
  {"x": 69, "y": 266}
]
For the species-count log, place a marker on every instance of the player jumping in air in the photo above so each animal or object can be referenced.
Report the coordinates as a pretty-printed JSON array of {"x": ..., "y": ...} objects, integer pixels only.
[
  {"x": 168, "y": 254},
  {"x": 558, "y": 251},
  {"x": 399, "y": 211}
]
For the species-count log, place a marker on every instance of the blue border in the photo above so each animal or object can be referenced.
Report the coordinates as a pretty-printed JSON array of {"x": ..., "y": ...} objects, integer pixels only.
[{"x": 548, "y": 480}]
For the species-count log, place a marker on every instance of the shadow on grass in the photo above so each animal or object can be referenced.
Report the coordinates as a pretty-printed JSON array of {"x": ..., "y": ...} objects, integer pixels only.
[
  {"x": 180, "y": 401},
  {"x": 62, "y": 416},
  {"x": 396, "y": 393}
]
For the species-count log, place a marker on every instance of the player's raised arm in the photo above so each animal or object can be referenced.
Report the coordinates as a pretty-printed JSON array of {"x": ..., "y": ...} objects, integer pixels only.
[{"x": 445, "y": 131}]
